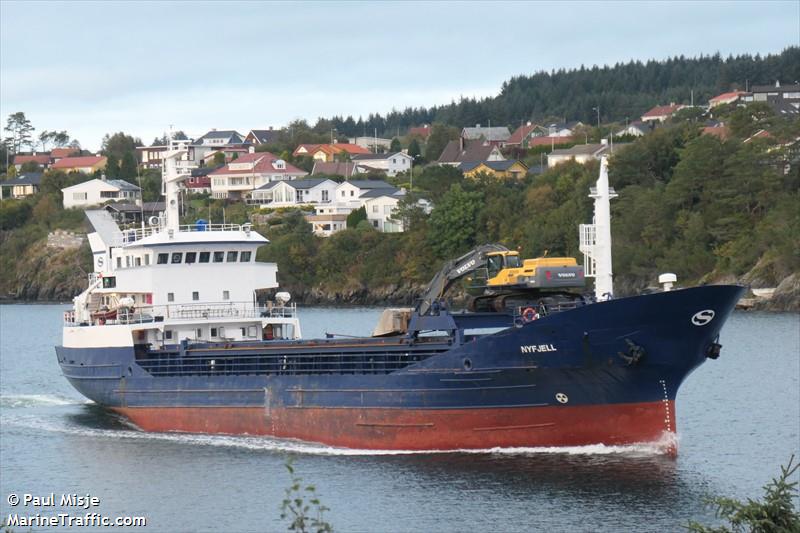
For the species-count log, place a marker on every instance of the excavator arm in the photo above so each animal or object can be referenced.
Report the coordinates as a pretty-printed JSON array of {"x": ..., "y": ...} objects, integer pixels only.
[{"x": 453, "y": 270}]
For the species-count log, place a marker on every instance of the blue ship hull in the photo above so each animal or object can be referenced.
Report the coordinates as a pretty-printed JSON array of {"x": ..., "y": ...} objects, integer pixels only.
[{"x": 606, "y": 372}]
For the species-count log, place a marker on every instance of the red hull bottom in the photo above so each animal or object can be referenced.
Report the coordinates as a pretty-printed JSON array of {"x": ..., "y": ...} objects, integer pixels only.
[{"x": 424, "y": 429}]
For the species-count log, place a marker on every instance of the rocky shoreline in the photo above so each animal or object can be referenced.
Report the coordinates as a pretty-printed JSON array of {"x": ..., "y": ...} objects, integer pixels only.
[{"x": 36, "y": 290}]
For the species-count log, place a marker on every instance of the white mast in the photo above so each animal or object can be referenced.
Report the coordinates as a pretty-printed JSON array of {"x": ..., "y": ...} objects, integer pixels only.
[
  {"x": 172, "y": 176},
  {"x": 595, "y": 239}
]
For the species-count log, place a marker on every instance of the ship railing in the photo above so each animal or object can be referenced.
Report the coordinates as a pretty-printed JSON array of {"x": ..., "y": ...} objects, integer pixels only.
[
  {"x": 188, "y": 312},
  {"x": 132, "y": 235}
]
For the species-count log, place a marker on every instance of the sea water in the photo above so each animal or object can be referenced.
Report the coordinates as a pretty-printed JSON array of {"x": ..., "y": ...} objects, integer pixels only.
[{"x": 738, "y": 421}]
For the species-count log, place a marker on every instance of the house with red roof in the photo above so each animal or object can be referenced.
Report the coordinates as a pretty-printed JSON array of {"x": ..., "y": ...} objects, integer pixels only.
[
  {"x": 522, "y": 135},
  {"x": 760, "y": 134},
  {"x": 660, "y": 113},
  {"x": 86, "y": 164},
  {"x": 43, "y": 160},
  {"x": 727, "y": 98},
  {"x": 328, "y": 152},
  {"x": 423, "y": 131},
  {"x": 249, "y": 172},
  {"x": 61, "y": 153}
]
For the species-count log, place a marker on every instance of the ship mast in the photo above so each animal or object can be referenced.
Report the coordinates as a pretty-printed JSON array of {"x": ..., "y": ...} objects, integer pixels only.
[
  {"x": 595, "y": 239},
  {"x": 172, "y": 175}
]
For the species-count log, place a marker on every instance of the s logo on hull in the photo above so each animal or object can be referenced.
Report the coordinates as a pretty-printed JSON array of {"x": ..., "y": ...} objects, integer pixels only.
[{"x": 701, "y": 318}]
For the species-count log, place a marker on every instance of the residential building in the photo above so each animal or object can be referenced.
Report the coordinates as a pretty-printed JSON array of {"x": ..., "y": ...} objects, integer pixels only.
[
  {"x": 199, "y": 182},
  {"x": 760, "y": 134},
  {"x": 378, "y": 198},
  {"x": 43, "y": 160},
  {"x": 560, "y": 129},
  {"x": 61, "y": 153},
  {"x": 380, "y": 205},
  {"x": 249, "y": 172},
  {"x": 459, "y": 151},
  {"x": 726, "y": 98},
  {"x": 772, "y": 93},
  {"x": 495, "y": 135},
  {"x": 349, "y": 192},
  {"x": 85, "y": 164},
  {"x": 214, "y": 141},
  {"x": 256, "y": 137},
  {"x": 549, "y": 141},
  {"x": 125, "y": 213},
  {"x": 720, "y": 131},
  {"x": 496, "y": 169},
  {"x": 151, "y": 156},
  {"x": 660, "y": 113},
  {"x": 326, "y": 224},
  {"x": 522, "y": 135},
  {"x": 391, "y": 164},
  {"x": 373, "y": 144},
  {"x": 98, "y": 191},
  {"x": 423, "y": 131},
  {"x": 334, "y": 168},
  {"x": 636, "y": 128},
  {"x": 784, "y": 99},
  {"x": 22, "y": 186},
  {"x": 581, "y": 153},
  {"x": 229, "y": 153},
  {"x": 293, "y": 193},
  {"x": 329, "y": 152}
]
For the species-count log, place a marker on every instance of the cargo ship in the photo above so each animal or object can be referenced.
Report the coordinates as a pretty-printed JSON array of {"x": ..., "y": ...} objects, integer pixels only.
[{"x": 172, "y": 334}]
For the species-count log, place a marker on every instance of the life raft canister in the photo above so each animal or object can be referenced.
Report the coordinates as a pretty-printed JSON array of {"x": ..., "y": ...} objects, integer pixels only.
[{"x": 529, "y": 314}]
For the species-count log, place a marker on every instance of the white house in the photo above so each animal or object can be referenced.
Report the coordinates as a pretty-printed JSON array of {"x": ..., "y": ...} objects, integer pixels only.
[
  {"x": 294, "y": 192},
  {"x": 581, "y": 153},
  {"x": 214, "y": 141},
  {"x": 249, "y": 172},
  {"x": 392, "y": 164},
  {"x": 371, "y": 143},
  {"x": 380, "y": 204},
  {"x": 98, "y": 191}
]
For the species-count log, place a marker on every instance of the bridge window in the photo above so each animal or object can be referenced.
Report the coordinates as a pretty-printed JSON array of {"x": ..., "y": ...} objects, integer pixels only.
[
  {"x": 205, "y": 256},
  {"x": 163, "y": 259},
  {"x": 233, "y": 256},
  {"x": 245, "y": 257},
  {"x": 177, "y": 257},
  {"x": 109, "y": 282},
  {"x": 191, "y": 257},
  {"x": 219, "y": 257}
]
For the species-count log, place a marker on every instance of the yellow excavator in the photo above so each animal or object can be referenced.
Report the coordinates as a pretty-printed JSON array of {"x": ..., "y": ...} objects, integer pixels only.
[
  {"x": 505, "y": 270},
  {"x": 497, "y": 278}
]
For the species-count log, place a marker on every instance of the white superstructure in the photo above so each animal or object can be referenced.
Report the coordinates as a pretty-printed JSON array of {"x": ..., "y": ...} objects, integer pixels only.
[{"x": 166, "y": 283}]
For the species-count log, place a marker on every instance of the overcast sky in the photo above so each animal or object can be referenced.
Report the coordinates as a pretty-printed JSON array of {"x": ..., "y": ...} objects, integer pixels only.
[{"x": 92, "y": 68}]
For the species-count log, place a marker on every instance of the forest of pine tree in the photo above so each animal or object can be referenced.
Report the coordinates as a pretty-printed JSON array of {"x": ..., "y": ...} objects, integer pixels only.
[{"x": 624, "y": 90}]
